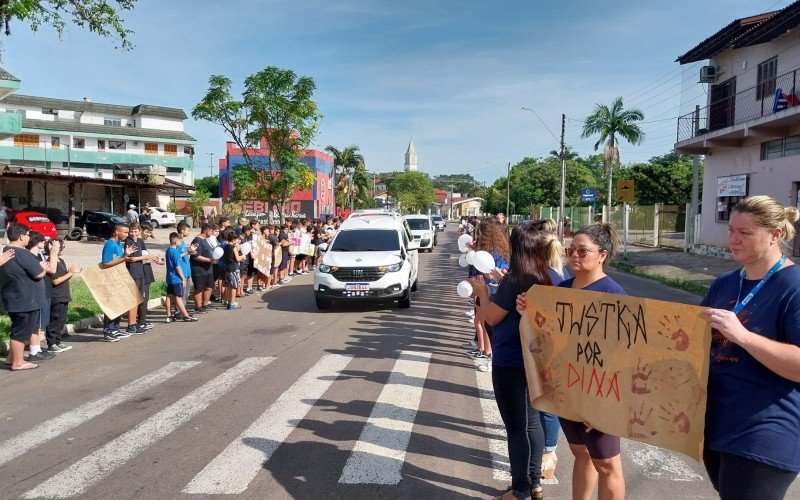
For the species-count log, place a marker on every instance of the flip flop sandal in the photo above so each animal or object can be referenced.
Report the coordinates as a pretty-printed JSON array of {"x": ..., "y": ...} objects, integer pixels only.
[
  {"x": 518, "y": 495},
  {"x": 26, "y": 366}
]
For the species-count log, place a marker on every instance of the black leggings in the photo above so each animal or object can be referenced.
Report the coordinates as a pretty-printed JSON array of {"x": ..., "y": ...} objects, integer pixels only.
[
  {"x": 737, "y": 477},
  {"x": 523, "y": 426}
]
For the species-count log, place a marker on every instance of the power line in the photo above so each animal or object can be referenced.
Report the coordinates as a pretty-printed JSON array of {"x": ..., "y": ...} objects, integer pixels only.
[{"x": 543, "y": 123}]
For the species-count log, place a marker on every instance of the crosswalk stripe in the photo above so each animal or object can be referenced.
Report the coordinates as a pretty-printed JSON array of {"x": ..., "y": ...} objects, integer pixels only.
[
  {"x": 80, "y": 476},
  {"x": 659, "y": 463},
  {"x": 22, "y": 443},
  {"x": 498, "y": 446},
  {"x": 234, "y": 469},
  {"x": 380, "y": 452}
]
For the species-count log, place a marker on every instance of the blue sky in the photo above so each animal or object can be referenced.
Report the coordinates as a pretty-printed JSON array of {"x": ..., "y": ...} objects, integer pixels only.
[{"x": 451, "y": 75}]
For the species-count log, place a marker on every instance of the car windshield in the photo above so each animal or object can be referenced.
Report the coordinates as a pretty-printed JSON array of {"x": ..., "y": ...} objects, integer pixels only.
[
  {"x": 366, "y": 240},
  {"x": 418, "y": 224},
  {"x": 437, "y": 218},
  {"x": 116, "y": 219}
]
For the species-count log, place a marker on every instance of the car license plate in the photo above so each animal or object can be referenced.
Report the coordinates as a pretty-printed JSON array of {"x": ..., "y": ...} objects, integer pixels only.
[{"x": 356, "y": 287}]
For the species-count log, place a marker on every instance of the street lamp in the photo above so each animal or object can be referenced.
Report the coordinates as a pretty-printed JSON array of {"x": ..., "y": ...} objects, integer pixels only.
[{"x": 211, "y": 164}]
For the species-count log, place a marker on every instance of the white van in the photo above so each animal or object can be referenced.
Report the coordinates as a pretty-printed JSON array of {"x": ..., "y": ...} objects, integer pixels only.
[
  {"x": 423, "y": 230},
  {"x": 370, "y": 258}
]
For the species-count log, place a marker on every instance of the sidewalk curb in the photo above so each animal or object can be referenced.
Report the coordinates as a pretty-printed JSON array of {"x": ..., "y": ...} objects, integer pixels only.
[{"x": 95, "y": 321}]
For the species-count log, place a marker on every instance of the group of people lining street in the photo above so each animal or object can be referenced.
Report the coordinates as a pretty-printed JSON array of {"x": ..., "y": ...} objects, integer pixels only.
[
  {"x": 213, "y": 268},
  {"x": 752, "y": 423}
]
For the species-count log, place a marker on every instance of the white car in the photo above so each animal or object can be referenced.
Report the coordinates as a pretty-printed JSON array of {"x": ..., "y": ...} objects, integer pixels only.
[
  {"x": 161, "y": 218},
  {"x": 370, "y": 258},
  {"x": 439, "y": 222},
  {"x": 423, "y": 230}
]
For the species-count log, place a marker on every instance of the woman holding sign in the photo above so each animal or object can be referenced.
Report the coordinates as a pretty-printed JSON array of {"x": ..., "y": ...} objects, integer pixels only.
[
  {"x": 597, "y": 454},
  {"x": 528, "y": 267},
  {"x": 752, "y": 443}
]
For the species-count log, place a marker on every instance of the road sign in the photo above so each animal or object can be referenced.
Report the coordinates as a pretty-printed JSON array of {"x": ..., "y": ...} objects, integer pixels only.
[
  {"x": 588, "y": 195},
  {"x": 625, "y": 190}
]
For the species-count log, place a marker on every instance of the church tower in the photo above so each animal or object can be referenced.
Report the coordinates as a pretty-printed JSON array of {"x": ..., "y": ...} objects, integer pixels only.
[{"x": 411, "y": 158}]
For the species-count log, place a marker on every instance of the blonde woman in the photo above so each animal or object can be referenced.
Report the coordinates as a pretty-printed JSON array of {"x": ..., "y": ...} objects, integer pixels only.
[{"x": 753, "y": 408}]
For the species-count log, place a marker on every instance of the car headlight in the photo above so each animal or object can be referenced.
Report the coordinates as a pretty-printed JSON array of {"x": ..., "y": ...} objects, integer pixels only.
[
  {"x": 391, "y": 268},
  {"x": 325, "y": 268}
]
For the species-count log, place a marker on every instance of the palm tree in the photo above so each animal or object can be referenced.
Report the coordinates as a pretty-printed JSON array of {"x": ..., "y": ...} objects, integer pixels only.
[
  {"x": 345, "y": 162},
  {"x": 611, "y": 123},
  {"x": 361, "y": 187},
  {"x": 569, "y": 154}
]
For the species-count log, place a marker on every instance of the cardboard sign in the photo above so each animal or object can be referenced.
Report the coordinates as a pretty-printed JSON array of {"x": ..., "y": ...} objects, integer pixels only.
[
  {"x": 262, "y": 254},
  {"x": 113, "y": 289},
  {"x": 632, "y": 367}
]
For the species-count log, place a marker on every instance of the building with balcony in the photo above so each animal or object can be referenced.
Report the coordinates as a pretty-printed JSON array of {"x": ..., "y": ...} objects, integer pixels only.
[
  {"x": 113, "y": 154},
  {"x": 749, "y": 129}
]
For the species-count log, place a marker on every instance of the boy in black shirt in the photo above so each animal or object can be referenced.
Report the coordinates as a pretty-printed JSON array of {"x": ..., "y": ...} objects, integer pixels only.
[
  {"x": 59, "y": 299},
  {"x": 231, "y": 259},
  {"x": 202, "y": 261}
]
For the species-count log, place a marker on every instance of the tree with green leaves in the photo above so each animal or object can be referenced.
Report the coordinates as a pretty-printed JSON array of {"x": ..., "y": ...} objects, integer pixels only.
[
  {"x": 362, "y": 187},
  {"x": 610, "y": 124},
  {"x": 196, "y": 202},
  {"x": 345, "y": 163},
  {"x": 209, "y": 184},
  {"x": 276, "y": 105},
  {"x": 413, "y": 191},
  {"x": 663, "y": 179},
  {"x": 465, "y": 184},
  {"x": 98, "y": 16}
]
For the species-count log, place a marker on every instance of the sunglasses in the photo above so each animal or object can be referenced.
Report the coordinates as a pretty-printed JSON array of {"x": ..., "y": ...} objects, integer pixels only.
[{"x": 582, "y": 252}]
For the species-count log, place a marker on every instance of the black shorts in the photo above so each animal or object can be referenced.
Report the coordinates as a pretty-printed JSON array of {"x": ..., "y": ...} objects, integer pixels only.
[
  {"x": 599, "y": 444},
  {"x": 203, "y": 282},
  {"x": 218, "y": 272},
  {"x": 24, "y": 324},
  {"x": 175, "y": 289}
]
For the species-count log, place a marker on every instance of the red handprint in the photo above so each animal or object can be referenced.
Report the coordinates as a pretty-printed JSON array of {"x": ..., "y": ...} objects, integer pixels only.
[
  {"x": 637, "y": 422},
  {"x": 678, "y": 419},
  {"x": 640, "y": 378},
  {"x": 671, "y": 330}
]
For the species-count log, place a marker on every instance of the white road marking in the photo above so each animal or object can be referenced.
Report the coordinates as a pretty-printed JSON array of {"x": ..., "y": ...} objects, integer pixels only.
[
  {"x": 82, "y": 475},
  {"x": 233, "y": 470},
  {"x": 659, "y": 463},
  {"x": 379, "y": 454},
  {"x": 498, "y": 445},
  {"x": 50, "y": 429}
]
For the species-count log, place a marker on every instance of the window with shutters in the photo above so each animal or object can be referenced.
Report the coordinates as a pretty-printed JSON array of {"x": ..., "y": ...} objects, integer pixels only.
[
  {"x": 151, "y": 148},
  {"x": 78, "y": 143},
  {"x": 171, "y": 149},
  {"x": 767, "y": 71},
  {"x": 26, "y": 140},
  {"x": 101, "y": 145}
]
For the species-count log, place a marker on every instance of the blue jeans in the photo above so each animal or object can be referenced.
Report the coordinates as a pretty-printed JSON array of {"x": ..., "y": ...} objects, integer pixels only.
[
  {"x": 551, "y": 427},
  {"x": 523, "y": 427}
]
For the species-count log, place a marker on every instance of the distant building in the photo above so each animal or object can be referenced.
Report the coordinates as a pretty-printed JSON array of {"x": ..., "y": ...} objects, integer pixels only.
[
  {"x": 465, "y": 207},
  {"x": 749, "y": 131},
  {"x": 411, "y": 164}
]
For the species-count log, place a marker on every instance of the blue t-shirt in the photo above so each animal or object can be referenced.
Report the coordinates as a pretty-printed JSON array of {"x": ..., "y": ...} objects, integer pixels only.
[
  {"x": 185, "y": 265},
  {"x": 506, "y": 345},
  {"x": 604, "y": 284},
  {"x": 751, "y": 411},
  {"x": 112, "y": 250},
  {"x": 172, "y": 260}
]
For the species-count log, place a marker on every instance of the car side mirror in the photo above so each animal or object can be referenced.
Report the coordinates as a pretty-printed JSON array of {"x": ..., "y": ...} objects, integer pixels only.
[{"x": 413, "y": 246}]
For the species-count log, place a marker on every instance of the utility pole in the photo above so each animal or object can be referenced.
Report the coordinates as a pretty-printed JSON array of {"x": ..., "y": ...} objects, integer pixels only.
[
  {"x": 211, "y": 164},
  {"x": 508, "y": 192},
  {"x": 563, "y": 178},
  {"x": 691, "y": 236}
]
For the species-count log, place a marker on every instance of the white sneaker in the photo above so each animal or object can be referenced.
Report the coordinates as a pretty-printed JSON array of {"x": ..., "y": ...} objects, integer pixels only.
[{"x": 485, "y": 367}]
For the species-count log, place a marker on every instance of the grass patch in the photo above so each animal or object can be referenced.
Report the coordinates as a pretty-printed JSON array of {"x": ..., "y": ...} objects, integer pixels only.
[
  {"x": 82, "y": 306},
  {"x": 689, "y": 286}
]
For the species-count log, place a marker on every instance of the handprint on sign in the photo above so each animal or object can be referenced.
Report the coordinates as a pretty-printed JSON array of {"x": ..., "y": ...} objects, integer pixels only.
[
  {"x": 670, "y": 330},
  {"x": 541, "y": 345},
  {"x": 637, "y": 422},
  {"x": 554, "y": 392},
  {"x": 640, "y": 378},
  {"x": 678, "y": 420}
]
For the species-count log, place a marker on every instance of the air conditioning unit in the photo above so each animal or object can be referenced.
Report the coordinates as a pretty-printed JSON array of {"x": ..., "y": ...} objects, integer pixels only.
[
  {"x": 708, "y": 74},
  {"x": 135, "y": 143}
]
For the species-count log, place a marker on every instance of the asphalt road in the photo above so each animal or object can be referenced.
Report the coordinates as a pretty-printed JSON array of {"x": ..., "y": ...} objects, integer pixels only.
[{"x": 279, "y": 400}]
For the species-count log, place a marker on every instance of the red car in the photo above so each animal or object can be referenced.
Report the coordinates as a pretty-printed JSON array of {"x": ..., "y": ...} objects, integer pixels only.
[{"x": 36, "y": 221}]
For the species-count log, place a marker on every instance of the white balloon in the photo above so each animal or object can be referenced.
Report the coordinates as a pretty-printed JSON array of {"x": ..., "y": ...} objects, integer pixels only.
[
  {"x": 464, "y": 289},
  {"x": 145, "y": 252},
  {"x": 463, "y": 240},
  {"x": 245, "y": 248},
  {"x": 470, "y": 257},
  {"x": 483, "y": 262},
  {"x": 462, "y": 261},
  {"x": 217, "y": 253}
]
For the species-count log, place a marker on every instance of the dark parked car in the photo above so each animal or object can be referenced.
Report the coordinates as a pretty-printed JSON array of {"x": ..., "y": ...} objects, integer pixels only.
[{"x": 98, "y": 224}]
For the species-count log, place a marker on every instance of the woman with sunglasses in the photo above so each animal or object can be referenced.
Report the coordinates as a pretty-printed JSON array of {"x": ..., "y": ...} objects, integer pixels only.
[{"x": 597, "y": 454}]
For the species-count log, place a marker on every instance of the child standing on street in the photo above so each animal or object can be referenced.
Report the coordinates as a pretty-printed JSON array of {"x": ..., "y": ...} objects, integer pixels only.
[
  {"x": 59, "y": 299},
  {"x": 175, "y": 279},
  {"x": 231, "y": 258}
]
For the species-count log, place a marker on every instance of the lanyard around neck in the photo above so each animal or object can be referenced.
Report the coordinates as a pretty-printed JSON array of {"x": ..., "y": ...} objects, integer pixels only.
[{"x": 741, "y": 303}]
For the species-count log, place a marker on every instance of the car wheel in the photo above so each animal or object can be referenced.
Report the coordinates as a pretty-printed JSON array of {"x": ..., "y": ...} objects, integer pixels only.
[
  {"x": 323, "y": 303},
  {"x": 154, "y": 223},
  {"x": 434, "y": 241},
  {"x": 75, "y": 235},
  {"x": 415, "y": 285},
  {"x": 404, "y": 302}
]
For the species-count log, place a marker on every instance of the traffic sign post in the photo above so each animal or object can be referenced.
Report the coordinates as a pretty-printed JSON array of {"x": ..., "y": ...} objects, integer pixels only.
[
  {"x": 588, "y": 195},
  {"x": 625, "y": 190}
]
